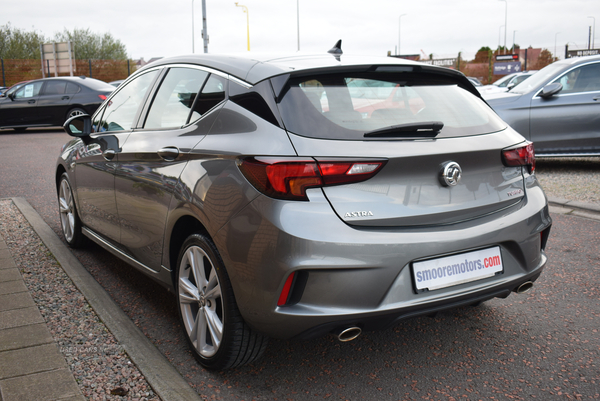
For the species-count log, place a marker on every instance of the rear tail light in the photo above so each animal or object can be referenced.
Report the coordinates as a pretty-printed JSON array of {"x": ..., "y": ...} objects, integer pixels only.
[
  {"x": 103, "y": 97},
  {"x": 520, "y": 156},
  {"x": 289, "y": 177}
]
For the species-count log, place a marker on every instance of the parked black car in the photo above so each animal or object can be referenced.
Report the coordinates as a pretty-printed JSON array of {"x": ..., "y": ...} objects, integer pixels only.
[{"x": 51, "y": 101}]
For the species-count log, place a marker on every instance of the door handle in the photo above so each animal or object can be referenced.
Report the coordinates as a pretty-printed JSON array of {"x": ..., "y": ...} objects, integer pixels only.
[
  {"x": 597, "y": 98},
  {"x": 109, "y": 154},
  {"x": 65, "y": 98},
  {"x": 32, "y": 101},
  {"x": 169, "y": 153}
]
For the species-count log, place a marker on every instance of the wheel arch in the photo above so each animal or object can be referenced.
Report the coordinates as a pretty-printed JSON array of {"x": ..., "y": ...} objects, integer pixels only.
[
  {"x": 185, "y": 226},
  {"x": 60, "y": 170}
]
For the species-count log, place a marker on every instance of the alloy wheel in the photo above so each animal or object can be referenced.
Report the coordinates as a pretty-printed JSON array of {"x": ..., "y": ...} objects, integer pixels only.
[
  {"x": 66, "y": 208},
  {"x": 201, "y": 301}
]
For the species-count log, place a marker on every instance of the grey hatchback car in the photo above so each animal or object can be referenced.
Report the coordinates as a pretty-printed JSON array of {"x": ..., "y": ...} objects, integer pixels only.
[
  {"x": 292, "y": 197},
  {"x": 558, "y": 108}
]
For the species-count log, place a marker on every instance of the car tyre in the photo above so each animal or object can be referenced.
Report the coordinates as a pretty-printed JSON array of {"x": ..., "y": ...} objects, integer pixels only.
[
  {"x": 75, "y": 112},
  {"x": 69, "y": 218},
  {"x": 215, "y": 330}
]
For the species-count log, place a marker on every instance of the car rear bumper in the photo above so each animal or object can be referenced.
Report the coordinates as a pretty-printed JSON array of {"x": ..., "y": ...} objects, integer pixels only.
[{"x": 363, "y": 276}]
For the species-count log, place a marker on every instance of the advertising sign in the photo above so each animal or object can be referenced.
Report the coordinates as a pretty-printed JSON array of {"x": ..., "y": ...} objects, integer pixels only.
[
  {"x": 507, "y": 57},
  {"x": 507, "y": 68},
  {"x": 57, "y": 58},
  {"x": 442, "y": 62},
  {"x": 583, "y": 53}
]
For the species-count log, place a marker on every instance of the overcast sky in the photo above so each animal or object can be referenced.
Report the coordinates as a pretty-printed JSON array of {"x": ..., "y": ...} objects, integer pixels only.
[{"x": 155, "y": 28}]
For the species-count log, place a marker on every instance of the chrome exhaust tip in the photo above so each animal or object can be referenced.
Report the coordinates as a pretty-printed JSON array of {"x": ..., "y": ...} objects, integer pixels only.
[
  {"x": 348, "y": 334},
  {"x": 523, "y": 288}
]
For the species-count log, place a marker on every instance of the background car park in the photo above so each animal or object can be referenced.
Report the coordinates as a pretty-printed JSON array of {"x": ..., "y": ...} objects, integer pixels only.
[
  {"x": 50, "y": 101},
  {"x": 558, "y": 108},
  {"x": 192, "y": 178},
  {"x": 476, "y": 82},
  {"x": 505, "y": 84}
]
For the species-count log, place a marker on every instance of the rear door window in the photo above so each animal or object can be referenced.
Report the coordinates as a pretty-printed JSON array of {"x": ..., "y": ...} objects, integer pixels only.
[
  {"x": 175, "y": 98},
  {"x": 54, "y": 88},
  {"x": 346, "y": 106}
]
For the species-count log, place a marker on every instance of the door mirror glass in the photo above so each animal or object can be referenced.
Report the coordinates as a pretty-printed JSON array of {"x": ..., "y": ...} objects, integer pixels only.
[{"x": 79, "y": 126}]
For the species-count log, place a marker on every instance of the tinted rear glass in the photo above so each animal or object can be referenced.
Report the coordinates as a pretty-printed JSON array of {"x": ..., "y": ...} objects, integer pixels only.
[{"x": 346, "y": 106}]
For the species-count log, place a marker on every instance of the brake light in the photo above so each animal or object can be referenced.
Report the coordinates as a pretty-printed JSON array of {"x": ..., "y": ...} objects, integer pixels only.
[
  {"x": 289, "y": 177},
  {"x": 522, "y": 156},
  {"x": 102, "y": 97}
]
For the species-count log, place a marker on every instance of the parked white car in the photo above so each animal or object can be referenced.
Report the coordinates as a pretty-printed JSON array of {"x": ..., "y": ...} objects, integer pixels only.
[{"x": 506, "y": 83}]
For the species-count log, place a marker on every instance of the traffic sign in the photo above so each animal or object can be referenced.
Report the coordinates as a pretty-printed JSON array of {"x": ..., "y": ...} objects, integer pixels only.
[{"x": 507, "y": 68}]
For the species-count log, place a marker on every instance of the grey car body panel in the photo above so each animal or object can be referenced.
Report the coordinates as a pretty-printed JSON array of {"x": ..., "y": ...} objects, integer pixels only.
[
  {"x": 356, "y": 273},
  {"x": 563, "y": 124}
]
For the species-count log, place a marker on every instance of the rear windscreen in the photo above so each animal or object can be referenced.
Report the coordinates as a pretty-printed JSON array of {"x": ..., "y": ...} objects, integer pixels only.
[{"x": 346, "y": 106}]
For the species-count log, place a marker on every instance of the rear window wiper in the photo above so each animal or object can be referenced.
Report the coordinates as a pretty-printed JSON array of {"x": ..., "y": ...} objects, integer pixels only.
[{"x": 426, "y": 129}]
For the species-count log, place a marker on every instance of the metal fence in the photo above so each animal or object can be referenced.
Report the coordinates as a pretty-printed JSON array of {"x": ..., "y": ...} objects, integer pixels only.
[{"x": 14, "y": 71}]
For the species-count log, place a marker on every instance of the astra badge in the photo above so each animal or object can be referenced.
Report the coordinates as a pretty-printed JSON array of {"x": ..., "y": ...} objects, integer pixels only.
[
  {"x": 450, "y": 173},
  {"x": 358, "y": 214}
]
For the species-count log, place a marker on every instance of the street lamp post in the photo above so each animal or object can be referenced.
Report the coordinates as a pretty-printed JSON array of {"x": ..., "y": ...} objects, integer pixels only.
[
  {"x": 247, "y": 22},
  {"x": 593, "y": 32},
  {"x": 555, "y": 36},
  {"x": 399, "y": 32},
  {"x": 505, "y": 21},
  {"x": 193, "y": 49},
  {"x": 204, "y": 28}
]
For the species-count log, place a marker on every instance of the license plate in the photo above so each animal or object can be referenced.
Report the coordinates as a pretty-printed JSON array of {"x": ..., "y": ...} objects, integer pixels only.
[{"x": 452, "y": 270}]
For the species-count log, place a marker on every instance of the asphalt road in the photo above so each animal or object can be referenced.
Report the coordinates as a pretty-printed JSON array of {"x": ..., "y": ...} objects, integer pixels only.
[{"x": 544, "y": 344}]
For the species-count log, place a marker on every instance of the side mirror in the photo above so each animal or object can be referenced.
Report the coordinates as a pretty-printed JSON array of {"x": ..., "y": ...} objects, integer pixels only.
[
  {"x": 79, "y": 126},
  {"x": 551, "y": 90},
  {"x": 510, "y": 86}
]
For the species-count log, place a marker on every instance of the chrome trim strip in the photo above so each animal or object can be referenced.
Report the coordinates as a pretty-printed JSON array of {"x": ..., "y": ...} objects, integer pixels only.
[
  {"x": 542, "y": 155},
  {"x": 211, "y": 71},
  {"x": 118, "y": 253}
]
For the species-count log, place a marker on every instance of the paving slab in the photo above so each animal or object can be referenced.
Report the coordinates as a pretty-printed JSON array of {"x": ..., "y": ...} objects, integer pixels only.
[
  {"x": 20, "y": 317},
  {"x": 11, "y": 274},
  {"x": 11, "y": 287},
  {"x": 25, "y": 361},
  {"x": 25, "y": 336},
  {"x": 17, "y": 300},
  {"x": 36, "y": 387}
]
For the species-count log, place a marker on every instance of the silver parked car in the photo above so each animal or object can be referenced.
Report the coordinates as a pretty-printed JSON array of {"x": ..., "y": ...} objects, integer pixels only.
[
  {"x": 292, "y": 197},
  {"x": 558, "y": 108}
]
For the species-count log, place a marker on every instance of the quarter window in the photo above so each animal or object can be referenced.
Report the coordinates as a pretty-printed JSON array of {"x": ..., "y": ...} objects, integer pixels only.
[{"x": 212, "y": 94}]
